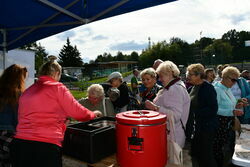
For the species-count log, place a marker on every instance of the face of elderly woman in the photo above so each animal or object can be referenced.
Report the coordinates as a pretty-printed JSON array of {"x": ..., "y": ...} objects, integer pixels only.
[
  {"x": 230, "y": 81},
  {"x": 165, "y": 78},
  {"x": 93, "y": 99},
  {"x": 148, "y": 81},
  {"x": 192, "y": 77}
]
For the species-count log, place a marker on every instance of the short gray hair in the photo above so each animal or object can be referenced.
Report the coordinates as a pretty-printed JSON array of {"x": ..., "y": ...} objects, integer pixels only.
[
  {"x": 168, "y": 66},
  {"x": 149, "y": 71},
  {"x": 96, "y": 90}
]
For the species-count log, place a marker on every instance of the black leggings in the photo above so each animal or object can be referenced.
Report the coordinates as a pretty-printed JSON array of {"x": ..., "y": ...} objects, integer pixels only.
[{"x": 26, "y": 153}]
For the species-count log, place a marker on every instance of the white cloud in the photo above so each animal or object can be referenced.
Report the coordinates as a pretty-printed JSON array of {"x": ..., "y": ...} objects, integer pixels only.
[{"x": 184, "y": 19}]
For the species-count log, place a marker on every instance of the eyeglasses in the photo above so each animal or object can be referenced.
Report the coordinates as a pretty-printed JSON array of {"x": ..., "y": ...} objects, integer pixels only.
[{"x": 233, "y": 79}]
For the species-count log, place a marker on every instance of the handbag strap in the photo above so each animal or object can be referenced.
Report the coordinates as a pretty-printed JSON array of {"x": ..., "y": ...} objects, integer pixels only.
[{"x": 104, "y": 106}]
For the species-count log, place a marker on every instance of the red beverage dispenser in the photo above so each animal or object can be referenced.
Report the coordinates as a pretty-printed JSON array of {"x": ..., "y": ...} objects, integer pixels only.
[{"x": 141, "y": 139}]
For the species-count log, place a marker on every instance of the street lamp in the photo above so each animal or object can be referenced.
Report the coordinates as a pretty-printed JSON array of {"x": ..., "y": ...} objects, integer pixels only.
[{"x": 213, "y": 58}]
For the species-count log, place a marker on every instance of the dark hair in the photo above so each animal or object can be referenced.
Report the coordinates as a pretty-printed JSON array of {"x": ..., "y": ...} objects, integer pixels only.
[{"x": 12, "y": 84}]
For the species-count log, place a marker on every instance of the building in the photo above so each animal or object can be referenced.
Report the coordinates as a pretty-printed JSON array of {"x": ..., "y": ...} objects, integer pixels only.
[{"x": 101, "y": 69}]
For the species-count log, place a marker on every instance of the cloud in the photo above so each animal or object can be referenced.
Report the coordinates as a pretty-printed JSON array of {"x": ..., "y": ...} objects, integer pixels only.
[
  {"x": 130, "y": 45},
  {"x": 86, "y": 31},
  {"x": 79, "y": 41},
  {"x": 237, "y": 18},
  {"x": 99, "y": 37},
  {"x": 85, "y": 59},
  {"x": 65, "y": 35}
]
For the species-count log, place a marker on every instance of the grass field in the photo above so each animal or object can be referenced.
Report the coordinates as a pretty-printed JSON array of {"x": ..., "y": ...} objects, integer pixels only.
[{"x": 85, "y": 84}]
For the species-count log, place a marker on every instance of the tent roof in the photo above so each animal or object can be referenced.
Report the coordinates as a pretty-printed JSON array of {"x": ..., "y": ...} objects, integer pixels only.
[{"x": 26, "y": 21}]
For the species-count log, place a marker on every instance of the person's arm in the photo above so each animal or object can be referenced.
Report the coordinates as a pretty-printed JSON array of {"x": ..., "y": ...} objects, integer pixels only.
[
  {"x": 207, "y": 98},
  {"x": 71, "y": 106}
]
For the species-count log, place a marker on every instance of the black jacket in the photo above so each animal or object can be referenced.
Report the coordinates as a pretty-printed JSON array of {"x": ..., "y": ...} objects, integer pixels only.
[
  {"x": 124, "y": 96},
  {"x": 205, "y": 115}
]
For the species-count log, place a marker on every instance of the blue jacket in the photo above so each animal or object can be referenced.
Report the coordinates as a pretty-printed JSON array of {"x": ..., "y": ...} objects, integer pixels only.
[
  {"x": 8, "y": 118},
  {"x": 245, "y": 92},
  {"x": 226, "y": 100}
]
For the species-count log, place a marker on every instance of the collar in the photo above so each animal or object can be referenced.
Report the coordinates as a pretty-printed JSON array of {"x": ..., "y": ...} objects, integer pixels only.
[
  {"x": 172, "y": 82},
  {"x": 219, "y": 84}
]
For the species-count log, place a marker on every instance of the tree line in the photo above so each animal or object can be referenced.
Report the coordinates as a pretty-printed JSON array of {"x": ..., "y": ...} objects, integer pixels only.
[{"x": 228, "y": 49}]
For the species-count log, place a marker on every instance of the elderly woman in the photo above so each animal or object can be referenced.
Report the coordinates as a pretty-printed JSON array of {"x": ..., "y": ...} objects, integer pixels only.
[
  {"x": 241, "y": 89},
  {"x": 42, "y": 113},
  {"x": 173, "y": 100},
  {"x": 97, "y": 101},
  {"x": 203, "y": 110},
  {"x": 116, "y": 81},
  {"x": 149, "y": 77},
  {"x": 228, "y": 107}
]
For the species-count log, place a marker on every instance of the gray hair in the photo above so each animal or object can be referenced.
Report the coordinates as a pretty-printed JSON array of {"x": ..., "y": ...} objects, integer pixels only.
[
  {"x": 96, "y": 90},
  {"x": 230, "y": 71},
  {"x": 149, "y": 71},
  {"x": 168, "y": 66}
]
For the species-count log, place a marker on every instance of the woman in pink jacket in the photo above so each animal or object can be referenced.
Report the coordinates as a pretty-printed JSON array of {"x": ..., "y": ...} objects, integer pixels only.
[
  {"x": 43, "y": 110},
  {"x": 173, "y": 100}
]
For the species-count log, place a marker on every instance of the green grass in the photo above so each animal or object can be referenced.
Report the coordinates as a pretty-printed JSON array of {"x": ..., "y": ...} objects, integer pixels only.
[
  {"x": 78, "y": 94},
  {"x": 85, "y": 84}
]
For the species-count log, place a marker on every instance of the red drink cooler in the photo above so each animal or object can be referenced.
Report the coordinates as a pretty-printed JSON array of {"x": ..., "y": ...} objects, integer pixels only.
[{"x": 141, "y": 139}]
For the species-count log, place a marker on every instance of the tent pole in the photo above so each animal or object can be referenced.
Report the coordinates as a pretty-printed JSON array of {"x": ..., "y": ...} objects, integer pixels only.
[{"x": 3, "y": 31}]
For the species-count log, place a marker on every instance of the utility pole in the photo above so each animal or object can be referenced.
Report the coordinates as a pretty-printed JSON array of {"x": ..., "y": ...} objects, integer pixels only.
[
  {"x": 149, "y": 42},
  {"x": 201, "y": 47}
]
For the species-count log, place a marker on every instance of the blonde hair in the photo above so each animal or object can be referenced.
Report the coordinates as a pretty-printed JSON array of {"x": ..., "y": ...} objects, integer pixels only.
[
  {"x": 230, "y": 71},
  {"x": 96, "y": 90},
  {"x": 149, "y": 71},
  {"x": 197, "y": 69},
  {"x": 50, "y": 68},
  {"x": 168, "y": 66}
]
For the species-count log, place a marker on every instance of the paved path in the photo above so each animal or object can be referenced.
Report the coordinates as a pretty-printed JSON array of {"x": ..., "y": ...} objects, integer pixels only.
[{"x": 128, "y": 78}]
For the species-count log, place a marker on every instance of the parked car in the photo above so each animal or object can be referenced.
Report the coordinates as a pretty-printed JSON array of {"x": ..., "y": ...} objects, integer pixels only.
[{"x": 68, "y": 78}]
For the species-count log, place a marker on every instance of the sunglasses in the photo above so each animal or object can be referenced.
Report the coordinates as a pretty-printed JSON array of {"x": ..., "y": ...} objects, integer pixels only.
[{"x": 233, "y": 79}]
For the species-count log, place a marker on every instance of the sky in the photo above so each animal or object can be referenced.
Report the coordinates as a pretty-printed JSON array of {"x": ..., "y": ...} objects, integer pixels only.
[{"x": 185, "y": 19}]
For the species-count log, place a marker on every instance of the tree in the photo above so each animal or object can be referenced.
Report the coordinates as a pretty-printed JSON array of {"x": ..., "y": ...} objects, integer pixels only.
[
  {"x": 222, "y": 51},
  {"x": 40, "y": 53},
  {"x": 69, "y": 56},
  {"x": 134, "y": 56},
  {"x": 40, "y": 56}
]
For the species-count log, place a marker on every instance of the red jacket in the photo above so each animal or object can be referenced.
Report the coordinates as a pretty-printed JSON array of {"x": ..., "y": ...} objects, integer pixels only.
[{"x": 43, "y": 109}]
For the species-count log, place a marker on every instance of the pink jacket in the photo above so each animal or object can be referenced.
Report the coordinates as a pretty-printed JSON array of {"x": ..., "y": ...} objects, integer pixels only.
[
  {"x": 43, "y": 109},
  {"x": 175, "y": 103}
]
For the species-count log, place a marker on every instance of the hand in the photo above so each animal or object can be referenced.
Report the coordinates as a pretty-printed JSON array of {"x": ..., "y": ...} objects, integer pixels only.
[
  {"x": 97, "y": 114},
  {"x": 242, "y": 103},
  {"x": 150, "y": 105},
  {"x": 238, "y": 112}
]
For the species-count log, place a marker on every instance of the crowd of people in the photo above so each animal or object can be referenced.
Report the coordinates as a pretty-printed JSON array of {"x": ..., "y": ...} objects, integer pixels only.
[{"x": 203, "y": 106}]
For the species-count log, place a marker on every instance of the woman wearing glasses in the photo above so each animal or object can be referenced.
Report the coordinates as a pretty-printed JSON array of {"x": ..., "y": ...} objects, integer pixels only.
[
  {"x": 202, "y": 122},
  {"x": 227, "y": 109},
  {"x": 241, "y": 90}
]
